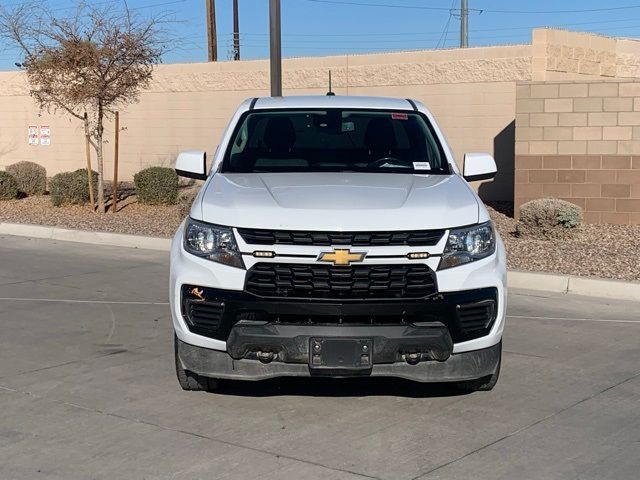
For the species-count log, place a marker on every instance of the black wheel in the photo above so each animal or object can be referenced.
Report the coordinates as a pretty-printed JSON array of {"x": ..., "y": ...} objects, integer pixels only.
[
  {"x": 189, "y": 380},
  {"x": 483, "y": 384}
]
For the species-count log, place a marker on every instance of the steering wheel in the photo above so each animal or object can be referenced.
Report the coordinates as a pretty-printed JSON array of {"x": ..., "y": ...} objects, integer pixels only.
[{"x": 392, "y": 160}]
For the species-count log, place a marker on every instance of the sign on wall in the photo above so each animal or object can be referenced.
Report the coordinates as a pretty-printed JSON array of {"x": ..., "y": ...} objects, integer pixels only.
[
  {"x": 45, "y": 135},
  {"x": 33, "y": 135},
  {"x": 39, "y": 135}
]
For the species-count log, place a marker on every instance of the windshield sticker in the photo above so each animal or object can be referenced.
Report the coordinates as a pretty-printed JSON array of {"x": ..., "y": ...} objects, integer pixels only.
[
  {"x": 421, "y": 166},
  {"x": 399, "y": 116}
]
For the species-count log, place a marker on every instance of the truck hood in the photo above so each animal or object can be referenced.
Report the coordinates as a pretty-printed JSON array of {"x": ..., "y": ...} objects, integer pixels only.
[{"x": 338, "y": 201}]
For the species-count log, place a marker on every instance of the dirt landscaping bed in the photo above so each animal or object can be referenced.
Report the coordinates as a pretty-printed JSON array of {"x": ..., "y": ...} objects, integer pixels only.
[
  {"x": 132, "y": 217},
  {"x": 608, "y": 251}
]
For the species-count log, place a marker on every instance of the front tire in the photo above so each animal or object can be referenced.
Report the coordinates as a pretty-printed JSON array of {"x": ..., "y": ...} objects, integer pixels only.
[
  {"x": 191, "y": 381},
  {"x": 483, "y": 384}
]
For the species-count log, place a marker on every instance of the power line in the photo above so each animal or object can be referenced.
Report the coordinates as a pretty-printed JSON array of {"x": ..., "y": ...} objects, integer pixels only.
[
  {"x": 445, "y": 32},
  {"x": 141, "y": 7},
  {"x": 526, "y": 12},
  {"x": 411, "y": 40},
  {"x": 386, "y": 5},
  {"x": 379, "y": 34},
  {"x": 310, "y": 44},
  {"x": 588, "y": 10}
]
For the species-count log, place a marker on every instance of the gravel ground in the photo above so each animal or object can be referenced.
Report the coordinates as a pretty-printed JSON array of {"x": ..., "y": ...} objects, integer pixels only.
[
  {"x": 131, "y": 217},
  {"x": 609, "y": 251}
]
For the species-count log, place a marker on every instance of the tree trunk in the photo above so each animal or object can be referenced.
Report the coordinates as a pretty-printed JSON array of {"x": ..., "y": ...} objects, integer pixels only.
[
  {"x": 87, "y": 140},
  {"x": 100, "y": 157}
]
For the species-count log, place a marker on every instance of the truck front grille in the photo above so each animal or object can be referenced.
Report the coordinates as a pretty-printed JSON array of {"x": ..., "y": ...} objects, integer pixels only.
[
  {"x": 292, "y": 237},
  {"x": 330, "y": 282}
]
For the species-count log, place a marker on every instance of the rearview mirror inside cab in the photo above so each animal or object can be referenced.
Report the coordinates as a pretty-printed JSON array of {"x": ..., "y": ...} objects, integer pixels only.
[
  {"x": 192, "y": 164},
  {"x": 478, "y": 166}
]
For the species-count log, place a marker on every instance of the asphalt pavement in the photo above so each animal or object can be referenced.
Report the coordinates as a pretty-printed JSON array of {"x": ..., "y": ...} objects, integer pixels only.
[{"x": 88, "y": 391}]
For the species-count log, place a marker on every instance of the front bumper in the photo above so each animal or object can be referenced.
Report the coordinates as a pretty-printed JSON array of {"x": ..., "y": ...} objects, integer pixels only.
[
  {"x": 458, "y": 367},
  {"x": 186, "y": 269},
  {"x": 466, "y": 314},
  {"x": 291, "y": 343}
]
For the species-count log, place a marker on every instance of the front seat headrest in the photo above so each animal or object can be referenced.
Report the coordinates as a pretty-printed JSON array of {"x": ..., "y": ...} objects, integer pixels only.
[{"x": 279, "y": 134}]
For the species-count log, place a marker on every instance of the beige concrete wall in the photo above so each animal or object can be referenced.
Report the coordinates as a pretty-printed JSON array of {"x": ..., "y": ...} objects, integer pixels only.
[
  {"x": 471, "y": 92},
  {"x": 566, "y": 55}
]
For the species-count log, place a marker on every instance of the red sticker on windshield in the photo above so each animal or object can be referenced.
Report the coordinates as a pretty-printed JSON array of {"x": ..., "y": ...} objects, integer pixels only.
[{"x": 399, "y": 116}]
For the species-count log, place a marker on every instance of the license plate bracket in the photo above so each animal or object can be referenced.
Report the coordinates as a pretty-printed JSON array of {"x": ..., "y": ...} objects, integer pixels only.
[{"x": 335, "y": 355}]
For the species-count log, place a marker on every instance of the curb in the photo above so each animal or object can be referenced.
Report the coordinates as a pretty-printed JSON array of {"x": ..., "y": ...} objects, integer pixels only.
[
  {"x": 593, "y": 287},
  {"x": 82, "y": 236},
  {"x": 547, "y": 282}
]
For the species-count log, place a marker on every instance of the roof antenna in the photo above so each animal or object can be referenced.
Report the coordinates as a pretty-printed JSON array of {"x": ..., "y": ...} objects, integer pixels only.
[{"x": 330, "y": 93}]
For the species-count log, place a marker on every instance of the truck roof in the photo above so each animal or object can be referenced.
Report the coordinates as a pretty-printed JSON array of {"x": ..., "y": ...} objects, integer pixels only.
[{"x": 332, "y": 101}]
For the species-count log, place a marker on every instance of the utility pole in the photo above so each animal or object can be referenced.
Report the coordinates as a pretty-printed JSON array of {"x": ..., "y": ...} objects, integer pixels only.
[
  {"x": 212, "y": 36},
  {"x": 275, "y": 48},
  {"x": 115, "y": 164},
  {"x": 236, "y": 32},
  {"x": 464, "y": 23}
]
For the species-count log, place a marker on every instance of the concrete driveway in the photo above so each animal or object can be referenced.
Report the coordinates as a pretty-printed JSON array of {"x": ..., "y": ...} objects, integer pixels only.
[{"x": 87, "y": 391}]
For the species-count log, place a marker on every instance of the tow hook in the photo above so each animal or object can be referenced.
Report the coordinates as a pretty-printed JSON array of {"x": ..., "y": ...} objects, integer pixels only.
[
  {"x": 265, "y": 357},
  {"x": 412, "y": 358}
]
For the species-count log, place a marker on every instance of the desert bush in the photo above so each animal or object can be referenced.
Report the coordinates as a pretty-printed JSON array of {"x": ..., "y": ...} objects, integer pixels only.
[
  {"x": 185, "y": 200},
  {"x": 549, "y": 218},
  {"x": 72, "y": 187},
  {"x": 8, "y": 186},
  {"x": 31, "y": 177},
  {"x": 156, "y": 186}
]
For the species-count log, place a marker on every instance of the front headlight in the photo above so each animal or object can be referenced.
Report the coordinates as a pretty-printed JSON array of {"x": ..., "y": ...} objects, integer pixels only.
[
  {"x": 212, "y": 242},
  {"x": 468, "y": 244}
]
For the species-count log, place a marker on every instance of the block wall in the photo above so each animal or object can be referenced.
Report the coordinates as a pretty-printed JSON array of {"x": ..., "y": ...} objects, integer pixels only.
[{"x": 580, "y": 141}]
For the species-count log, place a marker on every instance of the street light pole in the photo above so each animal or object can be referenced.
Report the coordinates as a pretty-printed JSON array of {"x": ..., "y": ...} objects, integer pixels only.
[
  {"x": 275, "y": 48},
  {"x": 464, "y": 23}
]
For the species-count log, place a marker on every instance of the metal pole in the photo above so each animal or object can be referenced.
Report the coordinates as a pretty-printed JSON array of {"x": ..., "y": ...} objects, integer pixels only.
[
  {"x": 236, "y": 32},
  {"x": 464, "y": 23},
  {"x": 115, "y": 164},
  {"x": 275, "y": 48},
  {"x": 212, "y": 36},
  {"x": 88, "y": 153}
]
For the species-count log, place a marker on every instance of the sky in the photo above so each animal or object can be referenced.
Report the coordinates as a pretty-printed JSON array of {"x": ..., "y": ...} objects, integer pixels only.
[{"x": 324, "y": 27}]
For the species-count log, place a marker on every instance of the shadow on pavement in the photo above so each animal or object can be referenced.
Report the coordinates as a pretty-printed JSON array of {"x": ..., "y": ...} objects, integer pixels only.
[{"x": 337, "y": 387}]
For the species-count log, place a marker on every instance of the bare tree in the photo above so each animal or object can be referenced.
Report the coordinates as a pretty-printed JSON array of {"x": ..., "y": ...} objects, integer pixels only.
[{"x": 90, "y": 60}]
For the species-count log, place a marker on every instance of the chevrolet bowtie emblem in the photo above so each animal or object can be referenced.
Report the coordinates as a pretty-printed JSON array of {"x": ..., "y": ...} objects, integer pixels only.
[{"x": 341, "y": 256}]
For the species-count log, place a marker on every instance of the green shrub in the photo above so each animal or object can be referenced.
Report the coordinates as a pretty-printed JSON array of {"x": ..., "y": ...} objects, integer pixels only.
[
  {"x": 8, "y": 186},
  {"x": 156, "y": 186},
  {"x": 72, "y": 187},
  {"x": 549, "y": 218},
  {"x": 185, "y": 200},
  {"x": 31, "y": 177}
]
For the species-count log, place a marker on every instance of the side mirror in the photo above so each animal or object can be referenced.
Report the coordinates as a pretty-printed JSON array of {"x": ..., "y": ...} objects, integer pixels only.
[
  {"x": 192, "y": 164},
  {"x": 478, "y": 166}
]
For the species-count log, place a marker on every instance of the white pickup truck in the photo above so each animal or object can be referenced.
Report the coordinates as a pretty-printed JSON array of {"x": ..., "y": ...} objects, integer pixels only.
[{"x": 336, "y": 236}]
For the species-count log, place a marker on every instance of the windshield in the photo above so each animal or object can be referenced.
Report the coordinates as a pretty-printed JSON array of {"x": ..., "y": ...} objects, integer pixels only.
[{"x": 334, "y": 140}]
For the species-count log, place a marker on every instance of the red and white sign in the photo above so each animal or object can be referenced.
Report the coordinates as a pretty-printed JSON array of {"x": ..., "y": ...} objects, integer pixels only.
[
  {"x": 33, "y": 135},
  {"x": 45, "y": 135}
]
